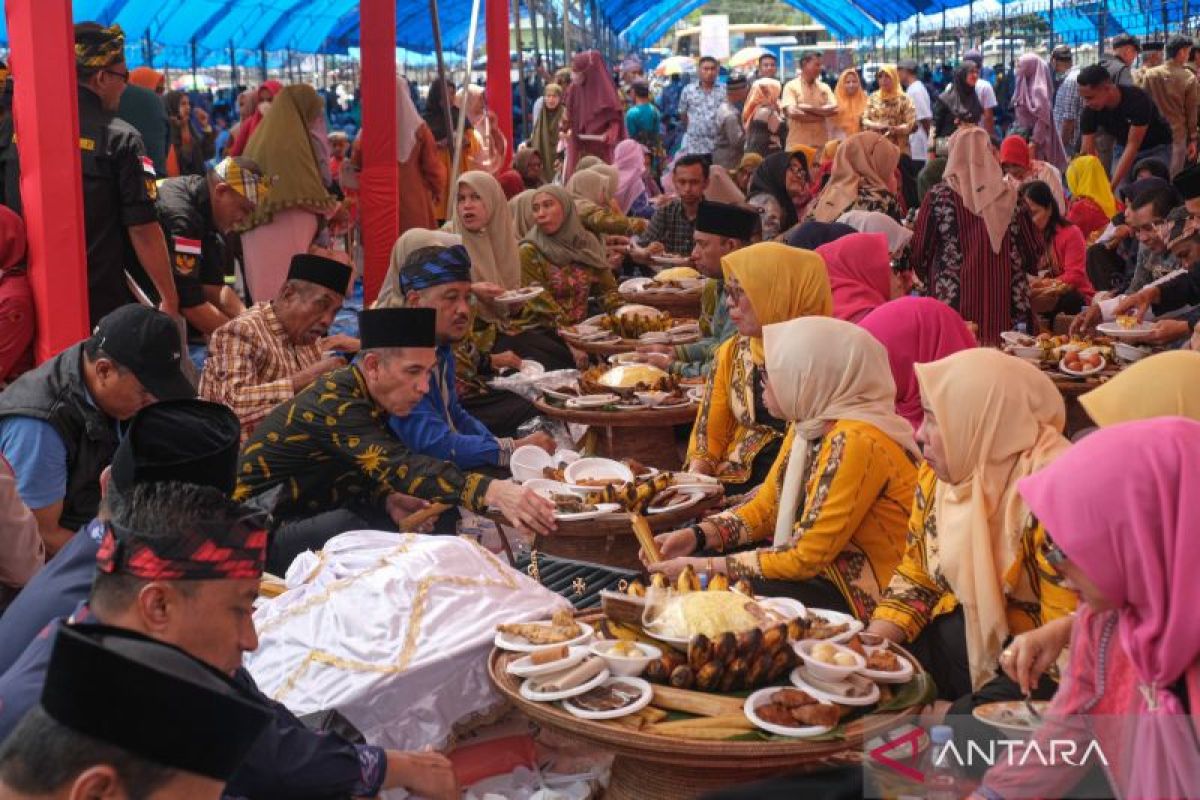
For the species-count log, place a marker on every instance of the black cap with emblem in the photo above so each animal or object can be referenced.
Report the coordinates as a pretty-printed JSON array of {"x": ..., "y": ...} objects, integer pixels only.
[{"x": 147, "y": 343}]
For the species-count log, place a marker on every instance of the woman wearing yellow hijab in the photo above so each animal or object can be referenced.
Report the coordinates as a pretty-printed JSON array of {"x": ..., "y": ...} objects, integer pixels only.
[
  {"x": 974, "y": 572},
  {"x": 1092, "y": 203},
  {"x": 840, "y": 490},
  {"x": 889, "y": 111},
  {"x": 851, "y": 103},
  {"x": 1163, "y": 385},
  {"x": 734, "y": 437}
]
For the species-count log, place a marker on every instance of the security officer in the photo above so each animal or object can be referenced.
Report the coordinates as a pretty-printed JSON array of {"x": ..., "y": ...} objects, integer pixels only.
[{"x": 120, "y": 224}]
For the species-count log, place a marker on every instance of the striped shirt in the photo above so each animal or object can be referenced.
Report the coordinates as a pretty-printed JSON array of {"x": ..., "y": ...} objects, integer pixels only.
[{"x": 250, "y": 365}]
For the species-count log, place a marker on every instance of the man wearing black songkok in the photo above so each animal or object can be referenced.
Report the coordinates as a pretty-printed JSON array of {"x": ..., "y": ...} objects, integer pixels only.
[{"x": 339, "y": 466}]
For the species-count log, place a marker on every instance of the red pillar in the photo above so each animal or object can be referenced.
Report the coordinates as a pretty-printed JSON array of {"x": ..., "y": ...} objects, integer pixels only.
[
  {"x": 499, "y": 79},
  {"x": 379, "y": 183},
  {"x": 47, "y": 127}
]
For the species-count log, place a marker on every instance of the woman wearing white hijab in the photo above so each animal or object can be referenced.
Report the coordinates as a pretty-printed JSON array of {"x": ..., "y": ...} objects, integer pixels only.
[
  {"x": 422, "y": 173},
  {"x": 839, "y": 494}
]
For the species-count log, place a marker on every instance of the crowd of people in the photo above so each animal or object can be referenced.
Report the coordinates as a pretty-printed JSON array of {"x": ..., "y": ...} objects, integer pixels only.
[{"x": 863, "y": 249}]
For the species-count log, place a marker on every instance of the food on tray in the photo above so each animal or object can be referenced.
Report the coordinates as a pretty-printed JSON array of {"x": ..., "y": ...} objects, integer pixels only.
[
  {"x": 883, "y": 661},
  {"x": 710, "y": 613},
  {"x": 827, "y": 653},
  {"x": 599, "y": 483},
  {"x": 561, "y": 628},
  {"x": 815, "y": 626},
  {"x": 677, "y": 274},
  {"x": 1079, "y": 362},
  {"x": 792, "y": 708},
  {"x": 631, "y": 321},
  {"x": 625, "y": 649},
  {"x": 688, "y": 580},
  {"x": 856, "y": 645},
  {"x": 636, "y": 467},
  {"x": 570, "y": 504},
  {"x": 670, "y": 498},
  {"x": 575, "y": 676},
  {"x": 549, "y": 655},
  {"x": 631, "y": 376},
  {"x": 608, "y": 697},
  {"x": 1127, "y": 321},
  {"x": 567, "y": 389}
]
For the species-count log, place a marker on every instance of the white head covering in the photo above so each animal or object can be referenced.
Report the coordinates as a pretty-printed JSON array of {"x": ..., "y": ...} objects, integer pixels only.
[
  {"x": 408, "y": 120},
  {"x": 897, "y": 235}
]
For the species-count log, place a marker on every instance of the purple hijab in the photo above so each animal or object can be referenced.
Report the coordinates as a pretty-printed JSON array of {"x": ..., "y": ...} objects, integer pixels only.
[{"x": 1034, "y": 105}]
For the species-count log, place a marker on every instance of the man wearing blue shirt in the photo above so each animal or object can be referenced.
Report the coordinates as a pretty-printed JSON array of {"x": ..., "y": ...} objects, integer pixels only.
[{"x": 440, "y": 278}]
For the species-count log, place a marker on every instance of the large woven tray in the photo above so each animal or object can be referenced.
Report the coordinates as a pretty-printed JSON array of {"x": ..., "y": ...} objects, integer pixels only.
[{"x": 676, "y": 303}]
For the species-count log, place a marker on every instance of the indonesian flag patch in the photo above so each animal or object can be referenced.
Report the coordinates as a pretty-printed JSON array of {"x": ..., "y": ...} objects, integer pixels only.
[
  {"x": 189, "y": 246},
  {"x": 148, "y": 166}
]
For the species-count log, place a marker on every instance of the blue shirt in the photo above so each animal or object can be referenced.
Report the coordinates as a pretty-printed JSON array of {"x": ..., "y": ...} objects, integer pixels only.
[
  {"x": 440, "y": 427},
  {"x": 38, "y": 457}
]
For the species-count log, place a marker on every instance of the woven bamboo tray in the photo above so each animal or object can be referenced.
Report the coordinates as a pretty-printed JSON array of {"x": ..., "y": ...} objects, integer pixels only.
[
  {"x": 676, "y": 303},
  {"x": 649, "y": 765},
  {"x": 613, "y": 348},
  {"x": 620, "y": 418}
]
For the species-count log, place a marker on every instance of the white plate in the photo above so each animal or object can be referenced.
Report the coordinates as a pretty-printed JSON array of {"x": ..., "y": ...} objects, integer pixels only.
[
  {"x": 532, "y": 369},
  {"x": 549, "y": 697},
  {"x": 556, "y": 395},
  {"x": 655, "y": 337},
  {"x": 696, "y": 394},
  {"x": 902, "y": 675},
  {"x": 761, "y": 698},
  {"x": 1018, "y": 339},
  {"x": 624, "y": 711},
  {"x": 518, "y": 296},
  {"x": 592, "y": 401},
  {"x": 993, "y": 714},
  {"x": 597, "y": 469},
  {"x": 801, "y": 680},
  {"x": 787, "y": 607},
  {"x": 709, "y": 489},
  {"x": 527, "y": 462},
  {"x": 590, "y": 137},
  {"x": 635, "y": 285},
  {"x": 601, "y": 510},
  {"x": 525, "y": 668},
  {"x": 1117, "y": 332},
  {"x": 1082, "y": 373},
  {"x": 679, "y": 642},
  {"x": 621, "y": 359},
  {"x": 506, "y": 641},
  {"x": 546, "y": 487},
  {"x": 688, "y": 478},
  {"x": 837, "y": 618},
  {"x": 693, "y": 498},
  {"x": 670, "y": 261},
  {"x": 1129, "y": 353},
  {"x": 686, "y": 401}
]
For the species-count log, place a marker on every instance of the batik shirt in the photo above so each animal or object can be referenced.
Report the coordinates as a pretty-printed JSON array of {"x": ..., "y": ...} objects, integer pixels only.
[
  {"x": 696, "y": 359},
  {"x": 701, "y": 108},
  {"x": 330, "y": 448}
]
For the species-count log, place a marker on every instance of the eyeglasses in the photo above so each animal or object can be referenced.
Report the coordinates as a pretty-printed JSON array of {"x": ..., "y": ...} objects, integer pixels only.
[
  {"x": 798, "y": 171},
  {"x": 123, "y": 76},
  {"x": 1051, "y": 552}
]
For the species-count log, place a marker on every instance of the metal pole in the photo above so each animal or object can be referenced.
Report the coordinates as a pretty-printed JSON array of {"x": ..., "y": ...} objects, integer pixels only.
[
  {"x": 915, "y": 42},
  {"x": 531, "y": 6},
  {"x": 194, "y": 79},
  {"x": 262, "y": 62},
  {"x": 566, "y": 24},
  {"x": 942, "y": 44},
  {"x": 462, "y": 116},
  {"x": 436, "y": 25},
  {"x": 1051, "y": 15},
  {"x": 971, "y": 25},
  {"x": 1101, "y": 25},
  {"x": 1003, "y": 36},
  {"x": 516, "y": 6},
  {"x": 1186, "y": 17},
  {"x": 233, "y": 73}
]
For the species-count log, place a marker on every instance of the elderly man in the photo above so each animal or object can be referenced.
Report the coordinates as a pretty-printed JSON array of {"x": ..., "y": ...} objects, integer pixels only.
[
  {"x": 730, "y": 141},
  {"x": 274, "y": 350},
  {"x": 338, "y": 465},
  {"x": 60, "y": 423},
  {"x": 440, "y": 278},
  {"x": 181, "y": 564}
]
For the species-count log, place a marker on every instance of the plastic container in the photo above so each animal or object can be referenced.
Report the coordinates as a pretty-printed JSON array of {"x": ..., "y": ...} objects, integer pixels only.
[{"x": 943, "y": 776}]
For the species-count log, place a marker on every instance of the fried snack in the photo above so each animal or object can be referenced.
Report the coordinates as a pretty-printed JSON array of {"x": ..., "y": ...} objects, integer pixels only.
[
  {"x": 776, "y": 715},
  {"x": 883, "y": 661},
  {"x": 645, "y": 538},
  {"x": 793, "y": 698},
  {"x": 816, "y": 714},
  {"x": 550, "y": 654},
  {"x": 541, "y": 633},
  {"x": 856, "y": 645}
]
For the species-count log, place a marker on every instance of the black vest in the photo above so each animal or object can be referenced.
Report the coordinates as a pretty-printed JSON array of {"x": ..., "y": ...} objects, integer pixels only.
[{"x": 55, "y": 392}]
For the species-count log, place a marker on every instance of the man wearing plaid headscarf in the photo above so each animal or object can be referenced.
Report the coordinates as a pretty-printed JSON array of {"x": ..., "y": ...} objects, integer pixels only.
[
  {"x": 120, "y": 225},
  {"x": 196, "y": 213}
]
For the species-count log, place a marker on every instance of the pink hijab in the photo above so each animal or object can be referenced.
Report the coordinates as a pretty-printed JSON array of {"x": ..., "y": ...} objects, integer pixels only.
[
  {"x": 860, "y": 273},
  {"x": 630, "y": 160},
  {"x": 916, "y": 330},
  {"x": 1034, "y": 106}
]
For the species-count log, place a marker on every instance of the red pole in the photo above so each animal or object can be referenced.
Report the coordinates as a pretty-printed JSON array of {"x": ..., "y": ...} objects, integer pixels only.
[
  {"x": 47, "y": 128},
  {"x": 379, "y": 183},
  {"x": 499, "y": 77}
]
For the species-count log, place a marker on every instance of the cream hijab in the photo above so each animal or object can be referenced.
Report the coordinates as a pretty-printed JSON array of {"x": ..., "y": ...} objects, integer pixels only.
[
  {"x": 721, "y": 188},
  {"x": 1000, "y": 419},
  {"x": 521, "y": 208},
  {"x": 974, "y": 174},
  {"x": 493, "y": 248},
  {"x": 590, "y": 189},
  {"x": 1163, "y": 385},
  {"x": 823, "y": 370},
  {"x": 863, "y": 160},
  {"x": 408, "y": 120},
  {"x": 409, "y": 242}
]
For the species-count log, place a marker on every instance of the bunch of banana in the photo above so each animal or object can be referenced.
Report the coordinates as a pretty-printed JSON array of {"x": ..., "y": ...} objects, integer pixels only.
[
  {"x": 631, "y": 326},
  {"x": 609, "y": 629},
  {"x": 729, "y": 662},
  {"x": 631, "y": 496}
]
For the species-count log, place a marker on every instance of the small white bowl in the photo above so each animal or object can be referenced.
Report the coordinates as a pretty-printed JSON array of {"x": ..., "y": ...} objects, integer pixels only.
[
  {"x": 626, "y": 666},
  {"x": 597, "y": 469},
  {"x": 1082, "y": 373},
  {"x": 1129, "y": 353},
  {"x": 828, "y": 672},
  {"x": 1027, "y": 353},
  {"x": 651, "y": 399},
  {"x": 527, "y": 462}
]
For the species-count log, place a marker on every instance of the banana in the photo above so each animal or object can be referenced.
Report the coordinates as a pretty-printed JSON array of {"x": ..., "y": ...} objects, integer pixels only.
[
  {"x": 700, "y": 651},
  {"x": 659, "y": 581},
  {"x": 718, "y": 582},
  {"x": 682, "y": 677},
  {"x": 687, "y": 581},
  {"x": 743, "y": 586},
  {"x": 635, "y": 589},
  {"x": 708, "y": 677}
]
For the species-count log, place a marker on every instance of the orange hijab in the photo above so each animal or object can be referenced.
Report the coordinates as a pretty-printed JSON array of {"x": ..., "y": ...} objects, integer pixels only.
[{"x": 850, "y": 106}]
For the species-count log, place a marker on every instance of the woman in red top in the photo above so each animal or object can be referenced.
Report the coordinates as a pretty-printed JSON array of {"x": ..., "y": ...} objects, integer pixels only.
[{"x": 1062, "y": 285}]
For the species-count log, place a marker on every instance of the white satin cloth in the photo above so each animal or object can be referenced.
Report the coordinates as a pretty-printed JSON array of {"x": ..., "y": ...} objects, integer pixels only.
[{"x": 392, "y": 630}]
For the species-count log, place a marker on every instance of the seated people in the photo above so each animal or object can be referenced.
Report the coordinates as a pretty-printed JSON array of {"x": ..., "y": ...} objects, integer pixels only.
[
  {"x": 274, "y": 350},
  {"x": 559, "y": 254},
  {"x": 1021, "y": 168},
  {"x": 22, "y": 552},
  {"x": 1132, "y": 682},
  {"x": 440, "y": 279},
  {"x": 196, "y": 213},
  {"x": 593, "y": 191},
  {"x": 973, "y": 574},
  {"x": 860, "y": 274},
  {"x": 182, "y": 564},
  {"x": 340, "y": 468},
  {"x": 736, "y": 438},
  {"x": 788, "y": 179},
  {"x": 1063, "y": 287},
  {"x": 721, "y": 228},
  {"x": 1174, "y": 294},
  {"x": 670, "y": 229},
  {"x": 840, "y": 490},
  {"x": 191, "y": 441},
  {"x": 1092, "y": 205},
  {"x": 60, "y": 423},
  {"x": 916, "y": 330},
  {"x": 863, "y": 178},
  {"x": 165, "y": 725}
]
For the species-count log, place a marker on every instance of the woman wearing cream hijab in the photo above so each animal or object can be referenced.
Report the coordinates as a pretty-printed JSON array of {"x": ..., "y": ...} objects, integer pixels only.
[
  {"x": 839, "y": 493},
  {"x": 863, "y": 178},
  {"x": 593, "y": 190},
  {"x": 734, "y": 438},
  {"x": 974, "y": 574}
]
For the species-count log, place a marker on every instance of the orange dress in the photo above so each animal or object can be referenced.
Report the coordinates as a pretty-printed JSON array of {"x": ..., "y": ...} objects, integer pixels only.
[{"x": 425, "y": 168}]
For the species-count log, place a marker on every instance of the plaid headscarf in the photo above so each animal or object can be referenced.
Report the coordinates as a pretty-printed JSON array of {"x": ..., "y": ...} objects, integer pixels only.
[
  {"x": 228, "y": 553},
  {"x": 452, "y": 265},
  {"x": 250, "y": 185},
  {"x": 98, "y": 48}
]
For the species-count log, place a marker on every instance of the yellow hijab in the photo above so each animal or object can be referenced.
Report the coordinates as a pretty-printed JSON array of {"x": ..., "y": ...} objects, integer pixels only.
[
  {"x": 1000, "y": 419},
  {"x": 823, "y": 370},
  {"x": 850, "y": 106},
  {"x": 897, "y": 88},
  {"x": 1086, "y": 178},
  {"x": 782, "y": 283},
  {"x": 1163, "y": 385}
]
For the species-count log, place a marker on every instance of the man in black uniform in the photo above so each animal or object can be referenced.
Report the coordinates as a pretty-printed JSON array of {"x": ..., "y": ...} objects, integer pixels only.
[
  {"x": 196, "y": 212},
  {"x": 120, "y": 224}
]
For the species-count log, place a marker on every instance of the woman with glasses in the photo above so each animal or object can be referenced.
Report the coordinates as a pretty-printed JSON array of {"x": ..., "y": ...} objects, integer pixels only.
[
  {"x": 827, "y": 524},
  {"x": 787, "y": 178},
  {"x": 974, "y": 574}
]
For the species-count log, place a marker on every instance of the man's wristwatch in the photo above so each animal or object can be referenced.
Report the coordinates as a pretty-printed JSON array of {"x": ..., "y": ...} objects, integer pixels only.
[{"x": 701, "y": 539}]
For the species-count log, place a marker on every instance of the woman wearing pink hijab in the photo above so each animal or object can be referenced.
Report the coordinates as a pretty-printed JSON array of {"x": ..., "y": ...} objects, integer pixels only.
[
  {"x": 1132, "y": 685},
  {"x": 266, "y": 94},
  {"x": 1034, "y": 106},
  {"x": 594, "y": 111},
  {"x": 916, "y": 330},
  {"x": 860, "y": 274},
  {"x": 629, "y": 158}
]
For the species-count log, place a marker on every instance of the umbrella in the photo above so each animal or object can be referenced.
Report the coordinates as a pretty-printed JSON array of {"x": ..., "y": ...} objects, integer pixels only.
[
  {"x": 202, "y": 82},
  {"x": 675, "y": 65},
  {"x": 746, "y": 57}
]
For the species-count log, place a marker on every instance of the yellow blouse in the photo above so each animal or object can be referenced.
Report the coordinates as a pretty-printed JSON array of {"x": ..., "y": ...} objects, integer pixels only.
[
  {"x": 726, "y": 430},
  {"x": 919, "y": 592},
  {"x": 568, "y": 286},
  {"x": 850, "y": 529},
  {"x": 604, "y": 222}
]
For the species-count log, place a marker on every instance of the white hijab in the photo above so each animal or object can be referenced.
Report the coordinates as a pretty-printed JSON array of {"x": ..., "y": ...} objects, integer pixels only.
[
  {"x": 408, "y": 120},
  {"x": 822, "y": 370},
  {"x": 897, "y": 235}
]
